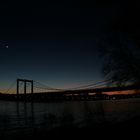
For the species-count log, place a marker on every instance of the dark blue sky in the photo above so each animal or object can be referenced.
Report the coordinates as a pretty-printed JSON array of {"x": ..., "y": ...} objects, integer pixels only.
[{"x": 53, "y": 43}]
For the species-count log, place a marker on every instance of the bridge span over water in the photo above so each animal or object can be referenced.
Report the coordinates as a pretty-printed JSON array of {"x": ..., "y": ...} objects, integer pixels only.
[{"x": 64, "y": 94}]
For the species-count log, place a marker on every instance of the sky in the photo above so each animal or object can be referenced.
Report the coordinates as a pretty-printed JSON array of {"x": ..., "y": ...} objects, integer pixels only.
[{"x": 55, "y": 44}]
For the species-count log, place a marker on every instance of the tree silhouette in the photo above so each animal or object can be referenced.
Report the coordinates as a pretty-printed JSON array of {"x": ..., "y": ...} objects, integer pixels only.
[
  {"x": 121, "y": 59},
  {"x": 121, "y": 55}
]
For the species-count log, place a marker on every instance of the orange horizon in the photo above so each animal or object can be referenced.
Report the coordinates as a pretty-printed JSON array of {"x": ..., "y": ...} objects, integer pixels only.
[
  {"x": 122, "y": 92},
  {"x": 108, "y": 93}
]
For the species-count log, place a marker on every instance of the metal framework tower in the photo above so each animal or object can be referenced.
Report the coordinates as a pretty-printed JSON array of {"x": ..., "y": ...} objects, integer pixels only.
[{"x": 25, "y": 85}]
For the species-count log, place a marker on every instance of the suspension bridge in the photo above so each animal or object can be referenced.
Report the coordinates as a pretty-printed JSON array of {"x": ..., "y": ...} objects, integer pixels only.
[{"x": 24, "y": 89}]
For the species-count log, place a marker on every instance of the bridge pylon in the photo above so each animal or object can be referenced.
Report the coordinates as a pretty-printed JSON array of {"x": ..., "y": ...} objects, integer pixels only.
[{"x": 25, "y": 81}]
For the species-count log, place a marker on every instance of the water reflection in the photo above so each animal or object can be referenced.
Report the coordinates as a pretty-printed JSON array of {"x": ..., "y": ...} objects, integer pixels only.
[{"x": 25, "y": 117}]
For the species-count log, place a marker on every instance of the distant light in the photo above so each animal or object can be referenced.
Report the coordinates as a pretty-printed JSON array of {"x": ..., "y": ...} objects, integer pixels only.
[{"x": 7, "y": 47}]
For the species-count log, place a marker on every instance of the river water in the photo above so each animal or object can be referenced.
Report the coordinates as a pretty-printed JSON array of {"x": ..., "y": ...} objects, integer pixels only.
[{"x": 20, "y": 117}]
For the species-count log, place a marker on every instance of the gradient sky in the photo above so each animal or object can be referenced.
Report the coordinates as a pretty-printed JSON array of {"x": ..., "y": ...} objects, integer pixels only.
[{"x": 53, "y": 43}]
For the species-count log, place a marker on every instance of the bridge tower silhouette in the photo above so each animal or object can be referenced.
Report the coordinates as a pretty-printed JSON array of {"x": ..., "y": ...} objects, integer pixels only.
[{"x": 25, "y": 81}]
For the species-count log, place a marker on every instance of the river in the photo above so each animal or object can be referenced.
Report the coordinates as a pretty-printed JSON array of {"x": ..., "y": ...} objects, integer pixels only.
[{"x": 21, "y": 117}]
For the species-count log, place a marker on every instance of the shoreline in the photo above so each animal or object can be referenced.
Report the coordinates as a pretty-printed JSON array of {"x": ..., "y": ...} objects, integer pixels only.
[{"x": 59, "y": 98}]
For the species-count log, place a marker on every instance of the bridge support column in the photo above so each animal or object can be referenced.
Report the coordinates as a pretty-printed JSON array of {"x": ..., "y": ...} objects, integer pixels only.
[
  {"x": 17, "y": 88},
  {"x": 25, "y": 86},
  {"x": 32, "y": 87}
]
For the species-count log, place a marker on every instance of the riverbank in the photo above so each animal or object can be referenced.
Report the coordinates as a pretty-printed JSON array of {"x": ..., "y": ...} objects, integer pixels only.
[{"x": 53, "y": 97}]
